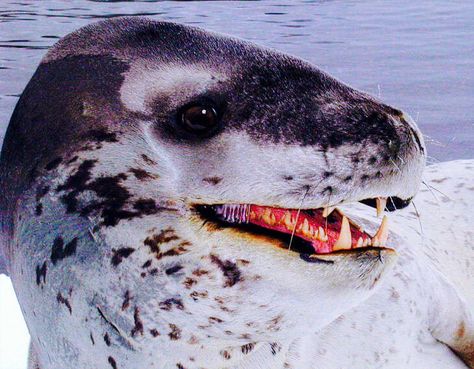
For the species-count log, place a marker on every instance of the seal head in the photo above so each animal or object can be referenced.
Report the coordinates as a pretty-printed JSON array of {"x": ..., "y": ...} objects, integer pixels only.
[{"x": 125, "y": 156}]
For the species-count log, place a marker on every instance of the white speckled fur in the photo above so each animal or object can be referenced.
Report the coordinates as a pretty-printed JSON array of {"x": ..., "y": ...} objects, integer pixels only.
[{"x": 114, "y": 268}]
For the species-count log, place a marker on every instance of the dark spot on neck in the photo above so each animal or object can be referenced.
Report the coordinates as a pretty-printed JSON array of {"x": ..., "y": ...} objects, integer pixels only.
[
  {"x": 173, "y": 269},
  {"x": 229, "y": 269},
  {"x": 168, "y": 304},
  {"x": 107, "y": 339},
  {"x": 41, "y": 273},
  {"x": 112, "y": 362},
  {"x": 59, "y": 251},
  {"x": 138, "y": 328},
  {"x": 126, "y": 300},
  {"x": 62, "y": 300},
  {"x": 175, "y": 333},
  {"x": 120, "y": 254}
]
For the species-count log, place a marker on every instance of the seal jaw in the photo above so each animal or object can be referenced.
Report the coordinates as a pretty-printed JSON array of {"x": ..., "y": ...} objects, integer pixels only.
[{"x": 308, "y": 231}]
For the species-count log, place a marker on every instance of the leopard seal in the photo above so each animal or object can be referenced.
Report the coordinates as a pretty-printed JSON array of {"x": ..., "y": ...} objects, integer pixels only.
[{"x": 167, "y": 202}]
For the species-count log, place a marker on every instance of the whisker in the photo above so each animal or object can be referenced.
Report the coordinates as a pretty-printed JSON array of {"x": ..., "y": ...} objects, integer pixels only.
[
  {"x": 297, "y": 217},
  {"x": 432, "y": 193},
  {"x": 434, "y": 188},
  {"x": 396, "y": 166},
  {"x": 419, "y": 221}
]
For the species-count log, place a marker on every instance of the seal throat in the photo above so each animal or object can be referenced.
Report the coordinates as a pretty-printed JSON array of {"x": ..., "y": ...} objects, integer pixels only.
[{"x": 311, "y": 231}]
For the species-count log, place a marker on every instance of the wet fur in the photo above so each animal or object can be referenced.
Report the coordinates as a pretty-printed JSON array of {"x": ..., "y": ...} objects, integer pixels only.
[{"x": 102, "y": 242}]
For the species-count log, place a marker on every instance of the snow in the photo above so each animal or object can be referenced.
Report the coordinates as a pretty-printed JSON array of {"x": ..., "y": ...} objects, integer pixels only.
[{"x": 14, "y": 337}]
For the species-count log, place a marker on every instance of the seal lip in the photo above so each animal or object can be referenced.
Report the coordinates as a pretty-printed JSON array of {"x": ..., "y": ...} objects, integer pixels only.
[{"x": 307, "y": 231}]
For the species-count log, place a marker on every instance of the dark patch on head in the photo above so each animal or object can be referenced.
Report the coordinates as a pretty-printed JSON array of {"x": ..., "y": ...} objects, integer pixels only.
[
  {"x": 148, "y": 160},
  {"x": 62, "y": 300},
  {"x": 53, "y": 164},
  {"x": 107, "y": 339},
  {"x": 168, "y": 304},
  {"x": 173, "y": 269},
  {"x": 146, "y": 206},
  {"x": 175, "y": 333},
  {"x": 212, "y": 180},
  {"x": 247, "y": 348},
  {"x": 59, "y": 251},
  {"x": 92, "y": 338},
  {"x": 180, "y": 366},
  {"x": 229, "y": 269},
  {"x": 328, "y": 189},
  {"x": 41, "y": 273},
  {"x": 348, "y": 179},
  {"x": 126, "y": 300},
  {"x": 327, "y": 174},
  {"x": 112, "y": 362},
  {"x": 372, "y": 160},
  {"x": 138, "y": 327},
  {"x": 288, "y": 178},
  {"x": 141, "y": 174},
  {"x": 102, "y": 135},
  {"x": 365, "y": 177},
  {"x": 154, "y": 332},
  {"x": 113, "y": 196},
  {"x": 75, "y": 184},
  {"x": 120, "y": 254}
]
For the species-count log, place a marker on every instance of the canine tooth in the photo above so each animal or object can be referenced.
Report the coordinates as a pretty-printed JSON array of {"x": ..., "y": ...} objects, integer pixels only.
[
  {"x": 375, "y": 242},
  {"x": 366, "y": 242},
  {"x": 382, "y": 233},
  {"x": 328, "y": 210},
  {"x": 360, "y": 242},
  {"x": 344, "y": 241},
  {"x": 381, "y": 204}
]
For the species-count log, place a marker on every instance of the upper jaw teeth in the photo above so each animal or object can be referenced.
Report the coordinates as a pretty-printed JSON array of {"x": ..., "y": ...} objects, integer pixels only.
[
  {"x": 381, "y": 204},
  {"x": 240, "y": 213},
  {"x": 235, "y": 213}
]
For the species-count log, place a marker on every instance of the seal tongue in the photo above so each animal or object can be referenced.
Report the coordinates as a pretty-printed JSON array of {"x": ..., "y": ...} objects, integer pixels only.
[{"x": 325, "y": 233}]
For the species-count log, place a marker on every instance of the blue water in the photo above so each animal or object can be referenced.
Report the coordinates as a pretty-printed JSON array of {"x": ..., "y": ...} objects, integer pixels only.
[{"x": 417, "y": 55}]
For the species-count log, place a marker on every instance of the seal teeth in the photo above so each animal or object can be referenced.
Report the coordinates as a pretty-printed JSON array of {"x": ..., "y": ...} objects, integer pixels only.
[
  {"x": 344, "y": 241},
  {"x": 381, "y": 204},
  {"x": 233, "y": 213}
]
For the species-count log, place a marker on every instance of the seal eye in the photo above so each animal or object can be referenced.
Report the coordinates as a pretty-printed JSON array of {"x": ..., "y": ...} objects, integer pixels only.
[{"x": 199, "y": 119}]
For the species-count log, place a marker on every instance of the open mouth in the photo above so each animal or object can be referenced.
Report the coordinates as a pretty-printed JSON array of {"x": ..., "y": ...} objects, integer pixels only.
[{"x": 307, "y": 231}]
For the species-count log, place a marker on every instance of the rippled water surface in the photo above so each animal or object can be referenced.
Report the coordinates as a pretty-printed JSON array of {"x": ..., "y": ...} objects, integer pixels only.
[{"x": 417, "y": 55}]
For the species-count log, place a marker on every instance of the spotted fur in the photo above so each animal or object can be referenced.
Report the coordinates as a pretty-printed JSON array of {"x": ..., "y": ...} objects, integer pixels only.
[{"x": 101, "y": 238}]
